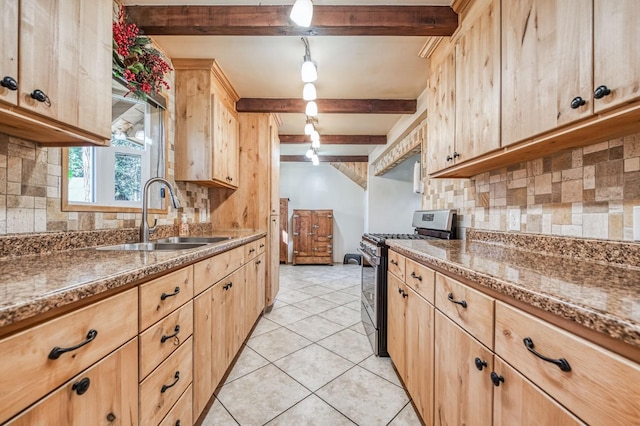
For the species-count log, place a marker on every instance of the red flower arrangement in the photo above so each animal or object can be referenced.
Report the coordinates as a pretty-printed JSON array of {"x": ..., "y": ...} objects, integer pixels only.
[{"x": 135, "y": 61}]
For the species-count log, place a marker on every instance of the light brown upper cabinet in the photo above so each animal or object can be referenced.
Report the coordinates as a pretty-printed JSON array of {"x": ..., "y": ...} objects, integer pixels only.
[
  {"x": 546, "y": 65},
  {"x": 616, "y": 58},
  {"x": 207, "y": 150},
  {"x": 56, "y": 74}
]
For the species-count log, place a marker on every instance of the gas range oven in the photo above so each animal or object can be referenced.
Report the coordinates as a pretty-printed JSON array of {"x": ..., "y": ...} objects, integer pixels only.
[{"x": 428, "y": 224}]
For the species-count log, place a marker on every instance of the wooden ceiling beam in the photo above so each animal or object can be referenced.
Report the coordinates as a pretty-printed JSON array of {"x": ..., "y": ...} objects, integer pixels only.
[
  {"x": 325, "y": 159},
  {"x": 328, "y": 106},
  {"x": 274, "y": 20},
  {"x": 336, "y": 139}
]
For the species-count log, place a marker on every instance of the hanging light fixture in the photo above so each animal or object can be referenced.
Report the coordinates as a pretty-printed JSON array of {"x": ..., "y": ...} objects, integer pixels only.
[
  {"x": 309, "y": 92},
  {"x": 315, "y": 139},
  {"x": 315, "y": 160},
  {"x": 309, "y": 127},
  {"x": 302, "y": 12},
  {"x": 308, "y": 72},
  {"x": 312, "y": 109},
  {"x": 310, "y": 153}
]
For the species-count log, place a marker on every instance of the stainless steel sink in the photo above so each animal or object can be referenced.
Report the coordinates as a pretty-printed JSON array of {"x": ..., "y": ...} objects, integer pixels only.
[
  {"x": 202, "y": 240},
  {"x": 156, "y": 246}
]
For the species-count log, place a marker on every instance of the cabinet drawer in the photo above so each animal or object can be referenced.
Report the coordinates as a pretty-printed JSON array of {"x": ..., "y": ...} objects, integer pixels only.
[
  {"x": 155, "y": 343},
  {"x": 396, "y": 264},
  {"x": 250, "y": 250},
  {"x": 600, "y": 388},
  {"x": 180, "y": 414},
  {"x": 164, "y": 295},
  {"x": 467, "y": 307},
  {"x": 262, "y": 245},
  {"x": 421, "y": 279},
  {"x": 24, "y": 357},
  {"x": 108, "y": 390},
  {"x": 162, "y": 389},
  {"x": 212, "y": 270}
]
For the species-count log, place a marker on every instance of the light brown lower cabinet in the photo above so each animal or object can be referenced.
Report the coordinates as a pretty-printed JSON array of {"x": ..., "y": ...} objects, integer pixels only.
[{"x": 396, "y": 320}]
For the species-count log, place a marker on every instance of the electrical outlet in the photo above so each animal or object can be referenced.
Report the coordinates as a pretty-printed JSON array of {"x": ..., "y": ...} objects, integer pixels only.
[
  {"x": 513, "y": 219},
  {"x": 636, "y": 223}
]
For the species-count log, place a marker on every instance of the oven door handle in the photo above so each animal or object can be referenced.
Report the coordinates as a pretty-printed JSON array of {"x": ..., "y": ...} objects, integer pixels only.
[{"x": 372, "y": 260}]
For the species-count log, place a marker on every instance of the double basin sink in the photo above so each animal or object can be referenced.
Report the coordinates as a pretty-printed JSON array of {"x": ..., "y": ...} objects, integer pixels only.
[{"x": 167, "y": 244}]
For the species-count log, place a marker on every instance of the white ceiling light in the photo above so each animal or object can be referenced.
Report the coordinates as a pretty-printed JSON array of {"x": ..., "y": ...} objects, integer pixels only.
[
  {"x": 308, "y": 128},
  {"x": 302, "y": 12},
  {"x": 310, "y": 153},
  {"x": 315, "y": 138},
  {"x": 312, "y": 109},
  {"x": 308, "y": 72},
  {"x": 309, "y": 92},
  {"x": 315, "y": 144},
  {"x": 315, "y": 160}
]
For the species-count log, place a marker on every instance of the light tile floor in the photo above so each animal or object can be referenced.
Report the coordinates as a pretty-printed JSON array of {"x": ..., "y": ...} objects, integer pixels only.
[{"x": 309, "y": 362}]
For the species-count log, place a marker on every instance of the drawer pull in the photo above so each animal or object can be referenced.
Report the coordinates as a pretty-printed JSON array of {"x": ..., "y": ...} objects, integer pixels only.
[
  {"x": 81, "y": 386},
  {"x": 496, "y": 378},
  {"x": 562, "y": 363},
  {"x": 252, "y": 250},
  {"x": 462, "y": 303},
  {"x": 177, "y": 422},
  {"x": 228, "y": 285},
  {"x": 111, "y": 417},
  {"x": 176, "y": 331},
  {"x": 258, "y": 262},
  {"x": 480, "y": 364},
  {"x": 57, "y": 351},
  {"x": 261, "y": 245},
  {"x": 165, "y": 387},
  {"x": 393, "y": 262},
  {"x": 175, "y": 293},
  {"x": 417, "y": 277}
]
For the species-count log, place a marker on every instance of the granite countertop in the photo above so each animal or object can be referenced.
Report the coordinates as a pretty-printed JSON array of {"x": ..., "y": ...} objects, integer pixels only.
[
  {"x": 35, "y": 284},
  {"x": 601, "y": 297}
]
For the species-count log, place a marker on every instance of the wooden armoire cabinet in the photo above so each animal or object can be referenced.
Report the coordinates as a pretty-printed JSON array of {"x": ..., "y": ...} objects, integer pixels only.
[{"x": 312, "y": 237}]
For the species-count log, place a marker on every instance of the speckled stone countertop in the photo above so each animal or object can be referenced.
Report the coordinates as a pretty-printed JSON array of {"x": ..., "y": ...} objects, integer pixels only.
[
  {"x": 35, "y": 284},
  {"x": 601, "y": 297}
]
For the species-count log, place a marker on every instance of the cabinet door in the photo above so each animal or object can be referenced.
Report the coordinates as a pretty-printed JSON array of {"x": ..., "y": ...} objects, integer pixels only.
[
  {"x": 441, "y": 118},
  {"x": 478, "y": 83},
  {"x": 274, "y": 167},
  {"x": 302, "y": 234},
  {"x": 463, "y": 393},
  {"x": 9, "y": 49},
  {"x": 396, "y": 320},
  {"x": 110, "y": 397},
  {"x": 232, "y": 146},
  {"x": 616, "y": 57},
  {"x": 260, "y": 266},
  {"x": 234, "y": 312},
  {"x": 420, "y": 351},
  {"x": 517, "y": 401},
  {"x": 283, "y": 236},
  {"x": 65, "y": 51},
  {"x": 220, "y": 141},
  {"x": 273, "y": 270},
  {"x": 322, "y": 228},
  {"x": 546, "y": 63}
]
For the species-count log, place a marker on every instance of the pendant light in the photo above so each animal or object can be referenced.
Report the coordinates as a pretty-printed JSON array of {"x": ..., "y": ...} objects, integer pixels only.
[
  {"x": 312, "y": 109},
  {"x": 309, "y": 92},
  {"x": 315, "y": 160},
  {"x": 308, "y": 72},
  {"x": 315, "y": 139},
  {"x": 308, "y": 128},
  {"x": 310, "y": 153},
  {"x": 302, "y": 12}
]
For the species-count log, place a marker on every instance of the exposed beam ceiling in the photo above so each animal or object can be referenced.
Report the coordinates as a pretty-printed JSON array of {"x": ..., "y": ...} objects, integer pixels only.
[
  {"x": 325, "y": 158},
  {"x": 337, "y": 139},
  {"x": 329, "y": 106},
  {"x": 274, "y": 20}
]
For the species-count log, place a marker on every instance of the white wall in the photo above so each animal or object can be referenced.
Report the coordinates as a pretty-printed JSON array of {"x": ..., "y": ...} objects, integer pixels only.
[
  {"x": 391, "y": 200},
  {"x": 324, "y": 187}
]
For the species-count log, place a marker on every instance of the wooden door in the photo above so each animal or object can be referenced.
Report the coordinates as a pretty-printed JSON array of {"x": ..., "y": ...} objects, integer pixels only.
[
  {"x": 477, "y": 92},
  {"x": 234, "y": 311},
  {"x": 260, "y": 266},
  {"x": 546, "y": 64},
  {"x": 419, "y": 353},
  {"x": 112, "y": 391},
  {"x": 283, "y": 236},
  {"x": 462, "y": 392},
  {"x": 517, "y": 401},
  {"x": 302, "y": 234},
  {"x": 273, "y": 266},
  {"x": 274, "y": 166},
  {"x": 251, "y": 294},
  {"x": 396, "y": 320},
  {"x": 232, "y": 153},
  {"x": 322, "y": 229},
  {"x": 65, "y": 51},
  {"x": 441, "y": 118},
  {"x": 9, "y": 49},
  {"x": 220, "y": 141},
  {"x": 616, "y": 56}
]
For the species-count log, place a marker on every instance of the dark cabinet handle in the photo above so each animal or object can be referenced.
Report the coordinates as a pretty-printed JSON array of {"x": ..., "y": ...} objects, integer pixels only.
[
  {"x": 40, "y": 96},
  {"x": 577, "y": 102},
  {"x": 10, "y": 83},
  {"x": 455, "y": 155},
  {"x": 81, "y": 386},
  {"x": 562, "y": 363},
  {"x": 449, "y": 158},
  {"x": 176, "y": 331},
  {"x": 400, "y": 290},
  {"x": 496, "y": 378},
  {"x": 165, "y": 387},
  {"x": 601, "y": 92},
  {"x": 405, "y": 294},
  {"x": 57, "y": 351},
  {"x": 480, "y": 364},
  {"x": 175, "y": 293},
  {"x": 417, "y": 277},
  {"x": 258, "y": 262},
  {"x": 462, "y": 303},
  {"x": 252, "y": 250},
  {"x": 228, "y": 285},
  {"x": 111, "y": 417},
  {"x": 393, "y": 262},
  {"x": 177, "y": 422},
  {"x": 261, "y": 245}
]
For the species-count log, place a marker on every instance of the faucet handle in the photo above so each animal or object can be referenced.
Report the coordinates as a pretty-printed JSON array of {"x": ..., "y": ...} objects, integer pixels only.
[{"x": 152, "y": 228}]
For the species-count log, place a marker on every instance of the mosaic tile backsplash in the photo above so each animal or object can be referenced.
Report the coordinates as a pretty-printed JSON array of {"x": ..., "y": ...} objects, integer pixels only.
[{"x": 583, "y": 192}]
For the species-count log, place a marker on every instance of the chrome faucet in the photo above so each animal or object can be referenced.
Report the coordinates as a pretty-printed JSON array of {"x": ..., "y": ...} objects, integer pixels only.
[{"x": 145, "y": 229}]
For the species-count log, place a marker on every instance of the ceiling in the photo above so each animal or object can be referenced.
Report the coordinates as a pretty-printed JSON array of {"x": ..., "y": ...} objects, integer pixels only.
[{"x": 349, "y": 67}]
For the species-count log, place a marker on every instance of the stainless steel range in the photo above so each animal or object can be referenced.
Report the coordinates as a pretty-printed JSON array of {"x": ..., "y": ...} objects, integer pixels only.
[{"x": 428, "y": 224}]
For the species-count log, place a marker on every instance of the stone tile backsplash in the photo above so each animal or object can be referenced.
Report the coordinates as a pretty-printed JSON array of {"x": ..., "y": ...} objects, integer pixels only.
[{"x": 583, "y": 192}]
